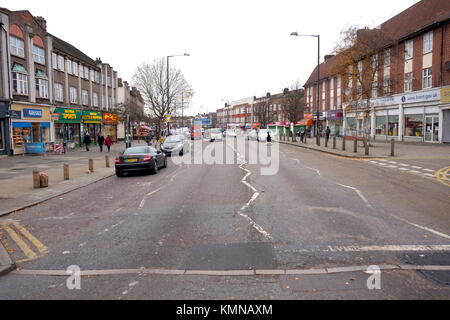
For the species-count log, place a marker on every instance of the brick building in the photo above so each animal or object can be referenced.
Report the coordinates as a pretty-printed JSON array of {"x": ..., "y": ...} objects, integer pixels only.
[{"x": 410, "y": 101}]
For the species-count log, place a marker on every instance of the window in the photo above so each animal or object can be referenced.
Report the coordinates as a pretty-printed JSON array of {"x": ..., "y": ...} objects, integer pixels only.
[
  {"x": 381, "y": 125},
  {"x": 97, "y": 76},
  {"x": 17, "y": 46},
  {"x": 414, "y": 125},
  {"x": 95, "y": 99},
  {"x": 20, "y": 83},
  {"x": 386, "y": 85},
  {"x": 91, "y": 75},
  {"x": 86, "y": 73},
  {"x": 58, "y": 92},
  {"x": 332, "y": 93},
  {"x": 375, "y": 89},
  {"x": 387, "y": 58},
  {"x": 339, "y": 92},
  {"x": 428, "y": 42},
  {"x": 38, "y": 55},
  {"x": 393, "y": 126},
  {"x": 73, "y": 95},
  {"x": 75, "y": 68},
  {"x": 54, "y": 60},
  {"x": 408, "y": 49},
  {"x": 85, "y": 97},
  {"x": 42, "y": 88},
  {"x": 427, "y": 78},
  {"x": 61, "y": 63},
  {"x": 408, "y": 81},
  {"x": 69, "y": 66}
]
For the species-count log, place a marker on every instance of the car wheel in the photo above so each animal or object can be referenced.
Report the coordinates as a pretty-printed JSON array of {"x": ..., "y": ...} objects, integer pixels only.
[
  {"x": 155, "y": 168},
  {"x": 165, "y": 163}
]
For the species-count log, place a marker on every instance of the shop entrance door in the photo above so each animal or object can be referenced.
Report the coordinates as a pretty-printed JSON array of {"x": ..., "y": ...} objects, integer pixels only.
[
  {"x": 432, "y": 129},
  {"x": 36, "y": 132}
]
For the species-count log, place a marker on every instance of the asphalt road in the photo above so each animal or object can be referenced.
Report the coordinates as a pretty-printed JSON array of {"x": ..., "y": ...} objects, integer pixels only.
[{"x": 317, "y": 212}]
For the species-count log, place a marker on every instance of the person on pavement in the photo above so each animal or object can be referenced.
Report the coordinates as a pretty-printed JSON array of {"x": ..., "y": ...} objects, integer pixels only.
[
  {"x": 109, "y": 143},
  {"x": 87, "y": 141},
  {"x": 269, "y": 137},
  {"x": 101, "y": 141},
  {"x": 302, "y": 135},
  {"x": 328, "y": 133}
]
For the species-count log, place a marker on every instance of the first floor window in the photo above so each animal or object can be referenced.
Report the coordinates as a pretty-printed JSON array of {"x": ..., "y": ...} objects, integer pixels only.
[
  {"x": 408, "y": 81},
  {"x": 59, "y": 92},
  {"x": 386, "y": 85},
  {"x": 38, "y": 54},
  {"x": 20, "y": 83},
  {"x": 61, "y": 63},
  {"x": 427, "y": 78},
  {"x": 42, "y": 88},
  {"x": 95, "y": 98},
  {"x": 85, "y": 97},
  {"x": 75, "y": 68},
  {"x": 73, "y": 95},
  {"x": 69, "y": 66},
  {"x": 54, "y": 60}
]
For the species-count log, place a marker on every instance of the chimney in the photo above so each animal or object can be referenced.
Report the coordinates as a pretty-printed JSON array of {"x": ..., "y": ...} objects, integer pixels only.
[
  {"x": 42, "y": 22},
  {"x": 285, "y": 91},
  {"x": 328, "y": 57},
  {"x": 268, "y": 95}
]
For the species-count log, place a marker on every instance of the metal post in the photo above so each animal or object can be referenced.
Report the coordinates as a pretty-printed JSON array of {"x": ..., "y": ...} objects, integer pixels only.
[
  {"x": 36, "y": 180},
  {"x": 66, "y": 172},
  {"x": 107, "y": 162},
  {"x": 91, "y": 165},
  {"x": 318, "y": 89},
  {"x": 168, "y": 96},
  {"x": 334, "y": 142},
  {"x": 343, "y": 143},
  {"x": 392, "y": 148},
  {"x": 355, "y": 145},
  {"x": 366, "y": 146}
]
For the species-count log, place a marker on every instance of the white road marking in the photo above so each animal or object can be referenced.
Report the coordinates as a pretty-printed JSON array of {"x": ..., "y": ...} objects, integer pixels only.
[
  {"x": 382, "y": 164},
  {"x": 404, "y": 169},
  {"x": 404, "y": 165},
  {"x": 414, "y": 171},
  {"x": 141, "y": 206},
  {"x": 359, "y": 193},
  {"x": 393, "y": 162},
  {"x": 429, "y": 170},
  {"x": 390, "y": 248},
  {"x": 429, "y": 175},
  {"x": 415, "y": 167}
]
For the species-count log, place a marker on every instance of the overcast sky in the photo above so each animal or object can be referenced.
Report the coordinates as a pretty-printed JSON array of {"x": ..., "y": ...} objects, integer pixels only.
[{"x": 239, "y": 48}]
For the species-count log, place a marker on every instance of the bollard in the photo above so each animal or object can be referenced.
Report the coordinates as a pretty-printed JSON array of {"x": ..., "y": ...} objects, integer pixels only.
[
  {"x": 355, "y": 145},
  {"x": 107, "y": 162},
  {"x": 91, "y": 165},
  {"x": 334, "y": 142},
  {"x": 392, "y": 148},
  {"x": 36, "y": 179},
  {"x": 326, "y": 142},
  {"x": 66, "y": 172},
  {"x": 366, "y": 146},
  {"x": 294, "y": 140},
  {"x": 343, "y": 144}
]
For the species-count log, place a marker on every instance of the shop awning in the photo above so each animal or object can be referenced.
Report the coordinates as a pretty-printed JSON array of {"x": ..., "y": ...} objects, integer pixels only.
[
  {"x": 21, "y": 125},
  {"x": 19, "y": 68},
  {"x": 45, "y": 125},
  {"x": 41, "y": 74},
  {"x": 306, "y": 123}
]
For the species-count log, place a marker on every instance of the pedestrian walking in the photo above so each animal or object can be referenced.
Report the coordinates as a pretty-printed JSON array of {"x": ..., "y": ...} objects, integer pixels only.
[
  {"x": 87, "y": 141},
  {"x": 101, "y": 141},
  {"x": 108, "y": 143},
  {"x": 302, "y": 135},
  {"x": 269, "y": 138},
  {"x": 328, "y": 133}
]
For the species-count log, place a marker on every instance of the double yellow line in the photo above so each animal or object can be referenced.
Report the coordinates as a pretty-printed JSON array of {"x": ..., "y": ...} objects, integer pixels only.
[
  {"x": 17, "y": 231},
  {"x": 443, "y": 175}
]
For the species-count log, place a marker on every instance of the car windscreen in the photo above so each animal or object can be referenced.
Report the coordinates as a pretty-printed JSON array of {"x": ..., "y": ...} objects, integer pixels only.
[
  {"x": 137, "y": 150},
  {"x": 216, "y": 131},
  {"x": 173, "y": 139}
]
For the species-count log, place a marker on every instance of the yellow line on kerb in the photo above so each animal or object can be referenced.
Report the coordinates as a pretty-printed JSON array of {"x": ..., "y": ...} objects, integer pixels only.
[
  {"x": 29, "y": 236},
  {"x": 443, "y": 175},
  {"x": 22, "y": 245}
]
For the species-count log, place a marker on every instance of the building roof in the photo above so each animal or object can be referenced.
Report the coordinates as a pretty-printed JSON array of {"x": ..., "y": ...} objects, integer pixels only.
[
  {"x": 415, "y": 19},
  {"x": 66, "y": 47}
]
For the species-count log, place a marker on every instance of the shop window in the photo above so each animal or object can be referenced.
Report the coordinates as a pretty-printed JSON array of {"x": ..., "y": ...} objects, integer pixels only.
[
  {"x": 414, "y": 126},
  {"x": 2, "y": 132},
  {"x": 381, "y": 126},
  {"x": 352, "y": 125},
  {"x": 393, "y": 126}
]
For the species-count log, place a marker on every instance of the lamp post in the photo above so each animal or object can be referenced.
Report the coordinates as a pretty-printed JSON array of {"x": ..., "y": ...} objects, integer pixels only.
[
  {"x": 296, "y": 34},
  {"x": 168, "y": 85}
]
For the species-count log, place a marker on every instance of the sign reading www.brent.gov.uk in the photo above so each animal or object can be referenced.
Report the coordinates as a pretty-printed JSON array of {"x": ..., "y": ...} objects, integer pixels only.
[{"x": 414, "y": 97}]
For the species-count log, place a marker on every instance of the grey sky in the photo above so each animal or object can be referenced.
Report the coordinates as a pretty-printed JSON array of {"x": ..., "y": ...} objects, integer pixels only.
[{"x": 238, "y": 48}]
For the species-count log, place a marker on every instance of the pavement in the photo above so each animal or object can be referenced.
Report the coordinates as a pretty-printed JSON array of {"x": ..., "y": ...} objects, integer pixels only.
[
  {"x": 17, "y": 192},
  {"x": 378, "y": 149},
  {"x": 227, "y": 232}
]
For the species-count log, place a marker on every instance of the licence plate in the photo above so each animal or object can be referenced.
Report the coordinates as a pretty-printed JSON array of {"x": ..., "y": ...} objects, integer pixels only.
[{"x": 131, "y": 160}]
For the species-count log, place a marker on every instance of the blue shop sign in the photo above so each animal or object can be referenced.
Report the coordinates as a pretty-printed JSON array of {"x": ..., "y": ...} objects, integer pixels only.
[
  {"x": 35, "y": 148},
  {"x": 32, "y": 113}
]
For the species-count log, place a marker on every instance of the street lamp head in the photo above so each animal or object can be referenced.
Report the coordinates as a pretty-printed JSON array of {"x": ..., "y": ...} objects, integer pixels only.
[
  {"x": 294, "y": 34},
  {"x": 187, "y": 55}
]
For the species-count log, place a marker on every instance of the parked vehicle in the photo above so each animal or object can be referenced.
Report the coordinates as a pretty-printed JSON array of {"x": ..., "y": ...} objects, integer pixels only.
[
  {"x": 263, "y": 134},
  {"x": 140, "y": 159},
  {"x": 196, "y": 133},
  {"x": 175, "y": 145},
  {"x": 214, "y": 135},
  {"x": 252, "y": 135},
  {"x": 230, "y": 134}
]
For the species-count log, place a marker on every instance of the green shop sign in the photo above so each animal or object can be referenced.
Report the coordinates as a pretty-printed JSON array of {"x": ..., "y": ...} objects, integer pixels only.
[
  {"x": 67, "y": 115},
  {"x": 92, "y": 117}
]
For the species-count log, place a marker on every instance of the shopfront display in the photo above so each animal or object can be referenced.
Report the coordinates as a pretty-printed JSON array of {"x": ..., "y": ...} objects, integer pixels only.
[
  {"x": 67, "y": 127},
  {"x": 31, "y": 132},
  {"x": 381, "y": 125},
  {"x": 92, "y": 124},
  {"x": 414, "y": 125},
  {"x": 110, "y": 122},
  {"x": 393, "y": 126},
  {"x": 352, "y": 125},
  {"x": 335, "y": 119}
]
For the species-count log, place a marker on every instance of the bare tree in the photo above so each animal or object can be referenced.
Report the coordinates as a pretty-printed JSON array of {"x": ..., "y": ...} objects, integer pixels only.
[
  {"x": 151, "y": 80},
  {"x": 294, "y": 103},
  {"x": 359, "y": 61}
]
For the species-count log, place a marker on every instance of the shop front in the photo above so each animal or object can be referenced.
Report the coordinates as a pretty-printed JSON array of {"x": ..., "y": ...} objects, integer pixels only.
[
  {"x": 335, "y": 121},
  {"x": 31, "y": 133},
  {"x": 110, "y": 123},
  {"x": 92, "y": 123},
  {"x": 68, "y": 127}
]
